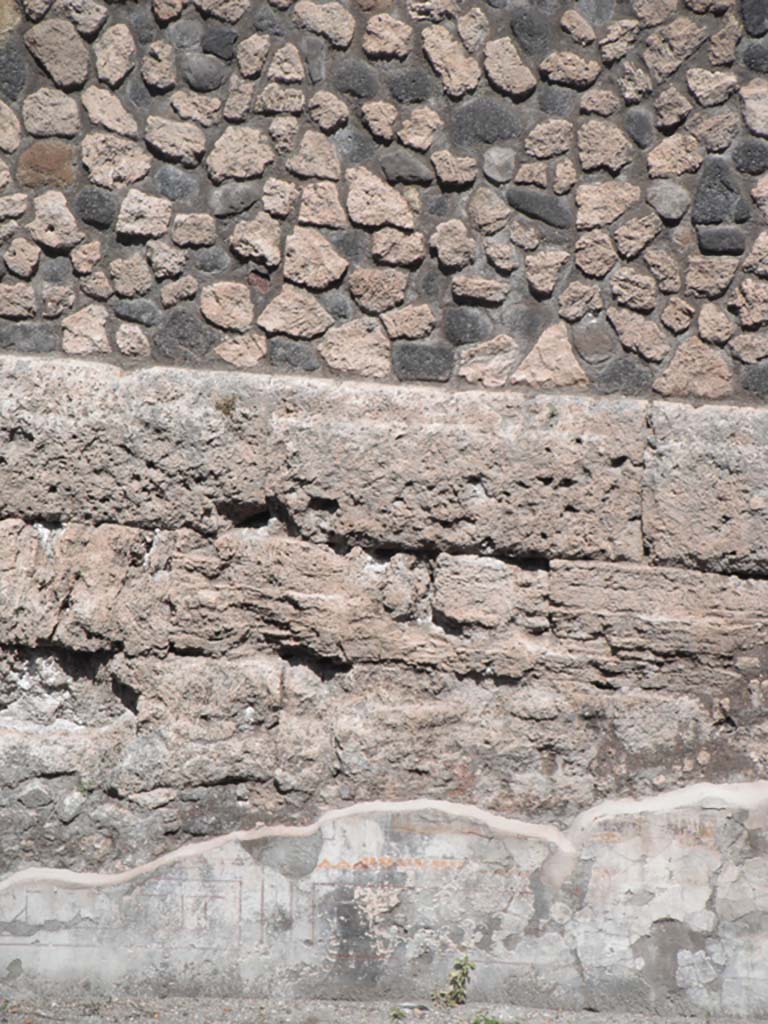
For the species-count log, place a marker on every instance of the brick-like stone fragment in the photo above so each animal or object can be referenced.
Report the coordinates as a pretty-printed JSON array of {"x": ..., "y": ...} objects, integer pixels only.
[
  {"x": 668, "y": 47},
  {"x": 594, "y": 253},
  {"x": 131, "y": 276},
  {"x": 398, "y": 248},
  {"x": 359, "y": 346},
  {"x": 711, "y": 88},
  {"x": 158, "y": 66},
  {"x": 635, "y": 234},
  {"x": 506, "y": 70},
  {"x": 227, "y": 304},
  {"x": 10, "y": 129},
  {"x": 371, "y": 202},
  {"x": 22, "y": 258},
  {"x": 177, "y": 141},
  {"x": 602, "y": 204},
  {"x": 320, "y": 205},
  {"x": 143, "y": 215},
  {"x": 551, "y": 363},
  {"x": 639, "y": 334},
  {"x": 54, "y": 225},
  {"x": 570, "y": 69},
  {"x": 112, "y": 161},
  {"x": 46, "y": 162},
  {"x": 375, "y": 290},
  {"x": 577, "y": 27},
  {"x": 696, "y": 371},
  {"x": 295, "y": 312},
  {"x": 115, "y": 54},
  {"x": 549, "y": 138},
  {"x": 710, "y": 276},
  {"x": 130, "y": 340},
  {"x": 193, "y": 229},
  {"x": 56, "y": 45},
  {"x": 328, "y": 111},
  {"x": 105, "y": 110},
  {"x": 714, "y": 324},
  {"x": 243, "y": 350},
  {"x": 380, "y": 119},
  {"x": 239, "y": 153},
  {"x": 17, "y": 302},
  {"x": 311, "y": 261},
  {"x": 225, "y": 10},
  {"x": 459, "y": 72},
  {"x": 543, "y": 268},
  {"x": 454, "y": 246},
  {"x": 489, "y": 363},
  {"x": 409, "y": 322},
  {"x": 679, "y": 154},
  {"x": 603, "y": 145},
  {"x": 47, "y": 112},
  {"x": 388, "y": 37},
  {"x": 316, "y": 157},
  {"x": 85, "y": 332},
  {"x": 330, "y": 20},
  {"x": 754, "y": 97}
]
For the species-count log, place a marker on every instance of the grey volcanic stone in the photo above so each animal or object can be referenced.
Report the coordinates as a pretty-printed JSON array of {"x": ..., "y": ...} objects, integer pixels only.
[
  {"x": 220, "y": 40},
  {"x": 202, "y": 72},
  {"x": 57, "y": 270},
  {"x": 718, "y": 197},
  {"x": 756, "y": 58},
  {"x": 540, "y": 206},
  {"x": 138, "y": 311},
  {"x": 13, "y": 70},
  {"x": 355, "y": 78},
  {"x": 287, "y": 353},
  {"x": 233, "y": 197},
  {"x": 426, "y": 361},
  {"x": 402, "y": 167},
  {"x": 639, "y": 125},
  {"x": 212, "y": 261},
  {"x": 464, "y": 326},
  {"x": 751, "y": 156},
  {"x": 499, "y": 163},
  {"x": 186, "y": 34},
  {"x": 669, "y": 199},
  {"x": 720, "y": 239},
  {"x": 174, "y": 183},
  {"x": 184, "y": 337},
  {"x": 143, "y": 26},
  {"x": 96, "y": 206},
  {"x": 754, "y": 13},
  {"x": 755, "y": 379},
  {"x": 31, "y": 337},
  {"x": 531, "y": 28},
  {"x": 267, "y": 21},
  {"x": 484, "y": 120},
  {"x": 626, "y": 374},
  {"x": 411, "y": 85},
  {"x": 314, "y": 52},
  {"x": 554, "y": 99},
  {"x": 356, "y": 147}
]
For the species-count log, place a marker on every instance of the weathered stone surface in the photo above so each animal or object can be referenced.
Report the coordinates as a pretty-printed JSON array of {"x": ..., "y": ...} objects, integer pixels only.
[
  {"x": 316, "y": 157},
  {"x": 710, "y": 276},
  {"x": 453, "y": 244},
  {"x": 105, "y": 110},
  {"x": 598, "y": 205},
  {"x": 670, "y": 46},
  {"x": 376, "y": 291},
  {"x": 696, "y": 371},
  {"x": 112, "y": 161},
  {"x": 240, "y": 153},
  {"x": 330, "y": 20},
  {"x": 10, "y": 129},
  {"x": 595, "y": 254},
  {"x": 85, "y": 332},
  {"x": 679, "y": 154},
  {"x": 570, "y": 69},
  {"x": 371, "y": 202},
  {"x": 543, "y": 268},
  {"x": 506, "y": 70},
  {"x": 551, "y": 363},
  {"x": 54, "y": 226},
  {"x": 227, "y": 304},
  {"x": 359, "y": 347},
  {"x": 386, "y": 36},
  {"x": 17, "y": 302},
  {"x": 295, "y": 312},
  {"x": 311, "y": 261},
  {"x": 158, "y": 67},
  {"x": 50, "y": 112},
  {"x": 639, "y": 334},
  {"x": 55, "y": 44},
  {"x": 754, "y": 97},
  {"x": 602, "y": 144},
  {"x": 176, "y": 141},
  {"x": 460, "y": 73},
  {"x": 259, "y": 239},
  {"x": 46, "y": 162},
  {"x": 321, "y": 206},
  {"x": 115, "y": 54},
  {"x": 143, "y": 215}
]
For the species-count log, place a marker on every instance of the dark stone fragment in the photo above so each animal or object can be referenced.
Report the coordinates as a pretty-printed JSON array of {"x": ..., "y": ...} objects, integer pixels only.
[
  {"x": 431, "y": 284},
  {"x": 414, "y": 360},
  {"x": 441, "y": 205},
  {"x": 463, "y": 326},
  {"x": 411, "y": 85},
  {"x": 202, "y": 72},
  {"x": 722, "y": 240},
  {"x": 751, "y": 157},
  {"x": 265, "y": 20},
  {"x": 355, "y": 146},
  {"x": 289, "y": 354},
  {"x": 625, "y": 374},
  {"x": 29, "y": 337},
  {"x": 595, "y": 343},
  {"x": 355, "y": 78},
  {"x": 96, "y": 207},
  {"x": 13, "y": 71},
  {"x": 185, "y": 34},
  {"x": 174, "y": 183},
  {"x": 184, "y": 337},
  {"x": 554, "y": 99},
  {"x": 212, "y": 261},
  {"x": 540, "y": 206},
  {"x": 531, "y": 28},
  {"x": 756, "y": 58},
  {"x": 143, "y": 27},
  {"x": 138, "y": 93},
  {"x": 57, "y": 270},
  {"x": 339, "y": 306},
  {"x": 401, "y": 167},
  {"x": 755, "y": 379},
  {"x": 639, "y": 126},
  {"x": 353, "y": 245},
  {"x": 484, "y": 120},
  {"x": 754, "y": 14},
  {"x": 718, "y": 197},
  {"x": 47, "y": 162},
  {"x": 138, "y": 311},
  {"x": 220, "y": 40},
  {"x": 314, "y": 53},
  {"x": 233, "y": 197}
]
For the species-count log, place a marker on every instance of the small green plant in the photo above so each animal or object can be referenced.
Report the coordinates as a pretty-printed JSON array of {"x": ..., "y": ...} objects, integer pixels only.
[
  {"x": 484, "y": 1018},
  {"x": 397, "y": 1013},
  {"x": 226, "y": 404},
  {"x": 458, "y": 982}
]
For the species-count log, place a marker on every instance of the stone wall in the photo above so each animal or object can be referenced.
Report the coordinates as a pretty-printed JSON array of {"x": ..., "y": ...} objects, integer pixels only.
[
  {"x": 549, "y": 194},
  {"x": 236, "y": 601}
]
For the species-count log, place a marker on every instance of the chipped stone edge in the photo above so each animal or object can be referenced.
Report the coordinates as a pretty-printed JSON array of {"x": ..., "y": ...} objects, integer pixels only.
[{"x": 736, "y": 795}]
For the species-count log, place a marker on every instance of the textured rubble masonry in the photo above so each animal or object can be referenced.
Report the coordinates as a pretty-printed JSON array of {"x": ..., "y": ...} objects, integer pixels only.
[
  {"x": 641, "y": 905},
  {"x": 566, "y": 193},
  {"x": 236, "y": 601}
]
